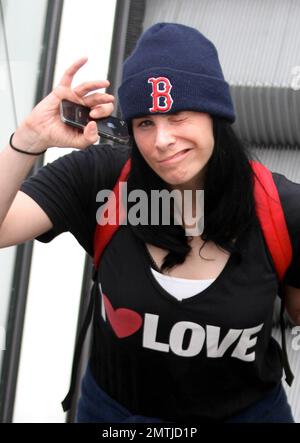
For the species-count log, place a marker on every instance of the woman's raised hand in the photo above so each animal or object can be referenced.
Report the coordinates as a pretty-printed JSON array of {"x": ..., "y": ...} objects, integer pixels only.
[{"x": 43, "y": 127}]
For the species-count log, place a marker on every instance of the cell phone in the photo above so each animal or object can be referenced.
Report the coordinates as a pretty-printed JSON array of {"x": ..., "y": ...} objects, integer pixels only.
[{"x": 111, "y": 128}]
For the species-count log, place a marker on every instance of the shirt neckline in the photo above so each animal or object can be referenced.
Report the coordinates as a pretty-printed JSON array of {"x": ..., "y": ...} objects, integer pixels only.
[
  {"x": 147, "y": 263},
  {"x": 180, "y": 279}
]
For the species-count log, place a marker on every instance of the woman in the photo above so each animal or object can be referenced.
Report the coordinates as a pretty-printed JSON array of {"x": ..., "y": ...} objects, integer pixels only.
[{"x": 182, "y": 324}]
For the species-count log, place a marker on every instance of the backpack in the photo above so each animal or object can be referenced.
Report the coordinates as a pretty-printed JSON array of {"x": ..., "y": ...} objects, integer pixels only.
[{"x": 272, "y": 221}]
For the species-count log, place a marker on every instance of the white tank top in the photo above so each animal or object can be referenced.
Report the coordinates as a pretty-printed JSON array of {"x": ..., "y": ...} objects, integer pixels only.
[{"x": 181, "y": 288}]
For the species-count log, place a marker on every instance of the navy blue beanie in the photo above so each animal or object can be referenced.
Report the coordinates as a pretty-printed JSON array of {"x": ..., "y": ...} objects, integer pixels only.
[{"x": 173, "y": 68}]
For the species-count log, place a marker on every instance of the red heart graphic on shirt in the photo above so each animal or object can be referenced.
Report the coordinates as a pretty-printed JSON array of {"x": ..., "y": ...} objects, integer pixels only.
[{"x": 123, "y": 321}]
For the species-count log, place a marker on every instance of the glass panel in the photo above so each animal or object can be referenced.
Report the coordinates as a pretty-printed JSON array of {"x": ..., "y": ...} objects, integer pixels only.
[{"x": 21, "y": 46}]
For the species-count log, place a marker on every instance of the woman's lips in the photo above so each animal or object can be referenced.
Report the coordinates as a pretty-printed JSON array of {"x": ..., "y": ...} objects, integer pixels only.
[{"x": 175, "y": 158}]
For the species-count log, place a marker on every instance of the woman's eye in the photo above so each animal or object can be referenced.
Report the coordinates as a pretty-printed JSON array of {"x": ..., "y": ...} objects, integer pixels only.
[
  {"x": 178, "y": 117},
  {"x": 144, "y": 123}
]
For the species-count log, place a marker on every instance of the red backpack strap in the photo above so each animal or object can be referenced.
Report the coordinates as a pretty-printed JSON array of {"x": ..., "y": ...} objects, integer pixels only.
[
  {"x": 272, "y": 220},
  {"x": 105, "y": 231},
  {"x": 271, "y": 216}
]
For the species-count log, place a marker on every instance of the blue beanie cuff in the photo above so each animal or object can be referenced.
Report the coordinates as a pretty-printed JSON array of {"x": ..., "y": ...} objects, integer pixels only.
[{"x": 189, "y": 91}]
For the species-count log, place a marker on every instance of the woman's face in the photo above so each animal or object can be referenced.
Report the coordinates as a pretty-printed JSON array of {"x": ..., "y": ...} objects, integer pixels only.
[{"x": 176, "y": 146}]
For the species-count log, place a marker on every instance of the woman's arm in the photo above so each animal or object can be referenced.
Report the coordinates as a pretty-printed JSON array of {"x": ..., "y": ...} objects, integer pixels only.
[
  {"x": 21, "y": 218},
  {"x": 24, "y": 221}
]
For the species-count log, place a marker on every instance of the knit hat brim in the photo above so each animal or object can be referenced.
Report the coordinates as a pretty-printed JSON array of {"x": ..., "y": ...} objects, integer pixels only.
[{"x": 190, "y": 91}]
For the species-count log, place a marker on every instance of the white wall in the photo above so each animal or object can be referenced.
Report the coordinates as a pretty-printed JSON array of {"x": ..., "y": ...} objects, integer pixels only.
[{"x": 57, "y": 268}]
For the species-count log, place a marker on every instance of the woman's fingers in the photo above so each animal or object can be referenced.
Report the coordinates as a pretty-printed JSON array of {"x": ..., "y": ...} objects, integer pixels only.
[
  {"x": 67, "y": 78},
  {"x": 97, "y": 99},
  {"x": 87, "y": 87},
  {"x": 102, "y": 111},
  {"x": 90, "y": 133},
  {"x": 85, "y": 92}
]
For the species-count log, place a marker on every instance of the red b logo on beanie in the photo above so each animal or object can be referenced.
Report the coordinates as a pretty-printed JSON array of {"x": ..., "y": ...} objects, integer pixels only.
[{"x": 161, "y": 98}]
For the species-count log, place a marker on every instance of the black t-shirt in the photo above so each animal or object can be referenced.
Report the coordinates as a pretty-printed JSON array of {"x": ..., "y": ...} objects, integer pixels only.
[
  {"x": 66, "y": 190},
  {"x": 204, "y": 358}
]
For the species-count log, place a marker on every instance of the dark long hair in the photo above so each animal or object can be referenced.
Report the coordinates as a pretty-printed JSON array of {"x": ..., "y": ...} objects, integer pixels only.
[{"x": 228, "y": 203}]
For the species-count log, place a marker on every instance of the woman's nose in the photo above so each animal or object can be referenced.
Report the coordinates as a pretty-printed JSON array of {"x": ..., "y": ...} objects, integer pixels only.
[{"x": 164, "y": 137}]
